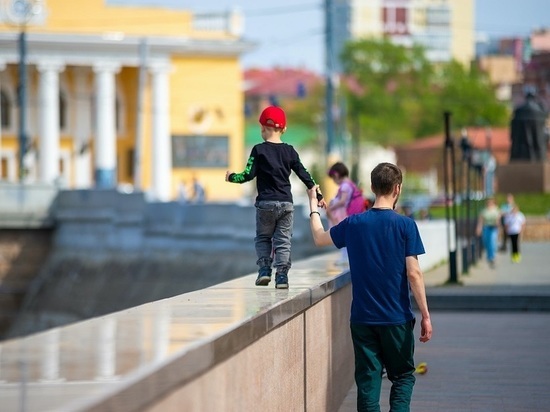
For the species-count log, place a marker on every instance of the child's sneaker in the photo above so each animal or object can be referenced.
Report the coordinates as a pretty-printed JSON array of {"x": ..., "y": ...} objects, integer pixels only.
[
  {"x": 281, "y": 281},
  {"x": 264, "y": 276}
]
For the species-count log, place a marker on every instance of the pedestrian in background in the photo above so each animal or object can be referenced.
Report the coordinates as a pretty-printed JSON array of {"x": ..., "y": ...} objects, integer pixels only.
[
  {"x": 505, "y": 208},
  {"x": 348, "y": 200},
  {"x": 487, "y": 228},
  {"x": 515, "y": 223},
  {"x": 199, "y": 194},
  {"x": 383, "y": 248},
  {"x": 271, "y": 163},
  {"x": 183, "y": 195}
]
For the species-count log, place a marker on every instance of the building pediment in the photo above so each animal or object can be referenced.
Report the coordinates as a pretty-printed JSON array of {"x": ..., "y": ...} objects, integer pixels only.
[{"x": 83, "y": 49}]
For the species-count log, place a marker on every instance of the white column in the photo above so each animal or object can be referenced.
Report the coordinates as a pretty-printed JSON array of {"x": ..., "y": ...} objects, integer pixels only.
[
  {"x": 105, "y": 133},
  {"x": 50, "y": 360},
  {"x": 106, "y": 349},
  {"x": 161, "y": 141},
  {"x": 48, "y": 152},
  {"x": 83, "y": 129},
  {"x": 161, "y": 331}
]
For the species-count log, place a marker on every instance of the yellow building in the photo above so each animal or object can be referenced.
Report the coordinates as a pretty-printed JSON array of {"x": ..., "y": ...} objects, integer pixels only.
[{"x": 118, "y": 95}]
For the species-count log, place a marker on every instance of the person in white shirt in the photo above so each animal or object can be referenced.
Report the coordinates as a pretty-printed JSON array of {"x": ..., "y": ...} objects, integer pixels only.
[{"x": 515, "y": 222}]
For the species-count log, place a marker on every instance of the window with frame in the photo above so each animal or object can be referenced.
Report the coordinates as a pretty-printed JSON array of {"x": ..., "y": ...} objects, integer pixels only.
[
  {"x": 5, "y": 109},
  {"x": 200, "y": 151},
  {"x": 62, "y": 111}
]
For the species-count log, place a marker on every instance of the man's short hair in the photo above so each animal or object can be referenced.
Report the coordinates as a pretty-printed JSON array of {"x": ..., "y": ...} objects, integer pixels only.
[{"x": 384, "y": 178}]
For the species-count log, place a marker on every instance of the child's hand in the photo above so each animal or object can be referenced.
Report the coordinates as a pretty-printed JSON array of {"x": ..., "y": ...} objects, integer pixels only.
[
  {"x": 227, "y": 173},
  {"x": 312, "y": 193}
]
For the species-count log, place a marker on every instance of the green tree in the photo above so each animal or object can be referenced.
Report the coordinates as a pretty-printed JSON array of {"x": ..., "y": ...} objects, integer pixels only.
[
  {"x": 388, "y": 89},
  {"x": 395, "y": 94},
  {"x": 468, "y": 94}
]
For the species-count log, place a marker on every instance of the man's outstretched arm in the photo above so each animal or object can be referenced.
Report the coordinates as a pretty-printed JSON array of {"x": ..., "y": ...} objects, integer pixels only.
[{"x": 320, "y": 236}]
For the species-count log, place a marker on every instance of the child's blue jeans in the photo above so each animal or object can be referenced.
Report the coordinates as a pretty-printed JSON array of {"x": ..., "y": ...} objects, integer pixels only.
[{"x": 274, "y": 222}]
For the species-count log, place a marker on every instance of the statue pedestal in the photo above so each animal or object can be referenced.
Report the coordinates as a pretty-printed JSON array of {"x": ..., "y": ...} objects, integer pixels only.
[{"x": 520, "y": 176}]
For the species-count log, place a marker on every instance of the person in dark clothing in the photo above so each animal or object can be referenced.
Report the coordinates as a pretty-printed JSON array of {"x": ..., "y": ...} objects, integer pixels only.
[
  {"x": 529, "y": 140},
  {"x": 271, "y": 163}
]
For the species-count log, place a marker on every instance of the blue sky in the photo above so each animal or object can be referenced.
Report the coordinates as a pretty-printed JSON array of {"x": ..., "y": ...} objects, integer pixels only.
[{"x": 290, "y": 32}]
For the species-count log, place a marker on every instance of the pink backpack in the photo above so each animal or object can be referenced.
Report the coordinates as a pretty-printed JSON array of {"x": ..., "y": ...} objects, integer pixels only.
[{"x": 356, "y": 203}]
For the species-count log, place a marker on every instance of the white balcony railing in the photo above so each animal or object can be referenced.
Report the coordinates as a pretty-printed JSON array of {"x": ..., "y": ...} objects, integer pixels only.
[{"x": 231, "y": 22}]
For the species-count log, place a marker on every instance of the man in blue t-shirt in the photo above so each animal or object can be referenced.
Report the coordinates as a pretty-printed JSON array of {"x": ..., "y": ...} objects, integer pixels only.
[{"x": 382, "y": 248}]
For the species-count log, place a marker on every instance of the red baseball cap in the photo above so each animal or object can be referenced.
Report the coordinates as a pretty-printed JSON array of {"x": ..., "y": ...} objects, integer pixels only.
[{"x": 273, "y": 116}]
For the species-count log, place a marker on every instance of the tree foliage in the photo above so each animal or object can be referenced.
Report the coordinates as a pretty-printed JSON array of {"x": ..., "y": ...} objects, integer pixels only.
[
  {"x": 395, "y": 94},
  {"x": 469, "y": 95}
]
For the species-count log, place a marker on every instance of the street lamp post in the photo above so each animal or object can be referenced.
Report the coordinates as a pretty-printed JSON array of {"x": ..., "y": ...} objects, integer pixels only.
[
  {"x": 477, "y": 169},
  {"x": 22, "y": 100},
  {"x": 466, "y": 147},
  {"x": 19, "y": 13},
  {"x": 329, "y": 68},
  {"x": 450, "y": 201}
]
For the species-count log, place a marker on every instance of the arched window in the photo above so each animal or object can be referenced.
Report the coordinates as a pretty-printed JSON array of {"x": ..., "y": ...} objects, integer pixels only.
[
  {"x": 5, "y": 109},
  {"x": 62, "y": 111}
]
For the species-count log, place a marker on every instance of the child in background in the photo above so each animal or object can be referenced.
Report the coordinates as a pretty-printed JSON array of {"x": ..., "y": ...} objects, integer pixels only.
[
  {"x": 348, "y": 201},
  {"x": 271, "y": 163},
  {"x": 515, "y": 222},
  {"x": 505, "y": 208}
]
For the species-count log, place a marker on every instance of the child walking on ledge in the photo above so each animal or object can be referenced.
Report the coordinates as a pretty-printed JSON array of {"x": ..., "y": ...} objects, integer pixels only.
[{"x": 271, "y": 163}]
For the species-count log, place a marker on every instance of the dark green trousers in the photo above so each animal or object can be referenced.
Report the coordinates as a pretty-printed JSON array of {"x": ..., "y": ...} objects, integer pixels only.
[{"x": 377, "y": 347}]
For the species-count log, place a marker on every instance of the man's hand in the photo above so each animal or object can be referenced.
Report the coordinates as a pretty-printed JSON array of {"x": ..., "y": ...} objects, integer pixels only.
[
  {"x": 425, "y": 330},
  {"x": 227, "y": 173},
  {"x": 312, "y": 194},
  {"x": 320, "y": 236}
]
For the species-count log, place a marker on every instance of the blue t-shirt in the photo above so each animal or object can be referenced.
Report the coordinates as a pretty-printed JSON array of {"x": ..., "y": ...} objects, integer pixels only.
[{"x": 378, "y": 241}]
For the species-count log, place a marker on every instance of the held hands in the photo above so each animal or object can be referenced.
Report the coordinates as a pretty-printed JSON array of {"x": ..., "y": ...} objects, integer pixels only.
[{"x": 313, "y": 198}]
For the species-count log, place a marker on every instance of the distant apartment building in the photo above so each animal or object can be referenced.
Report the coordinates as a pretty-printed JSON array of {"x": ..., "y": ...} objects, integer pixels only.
[
  {"x": 91, "y": 122},
  {"x": 516, "y": 63},
  {"x": 503, "y": 73},
  {"x": 444, "y": 27}
]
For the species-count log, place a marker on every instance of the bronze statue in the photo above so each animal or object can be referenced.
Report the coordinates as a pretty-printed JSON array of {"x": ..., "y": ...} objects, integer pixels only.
[{"x": 529, "y": 140}]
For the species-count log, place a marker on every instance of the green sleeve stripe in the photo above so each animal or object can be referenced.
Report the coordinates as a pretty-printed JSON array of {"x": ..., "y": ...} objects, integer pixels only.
[{"x": 242, "y": 177}]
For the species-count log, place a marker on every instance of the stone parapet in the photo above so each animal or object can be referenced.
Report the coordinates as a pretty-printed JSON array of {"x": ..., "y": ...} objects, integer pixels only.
[
  {"x": 524, "y": 177},
  {"x": 537, "y": 229},
  {"x": 233, "y": 346}
]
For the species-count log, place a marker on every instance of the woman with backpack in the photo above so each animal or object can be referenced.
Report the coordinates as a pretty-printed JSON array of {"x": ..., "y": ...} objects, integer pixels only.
[{"x": 348, "y": 201}]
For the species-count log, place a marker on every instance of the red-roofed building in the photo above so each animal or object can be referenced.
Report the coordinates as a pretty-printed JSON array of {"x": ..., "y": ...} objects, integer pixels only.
[{"x": 278, "y": 86}]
